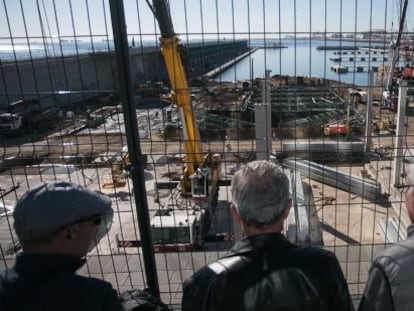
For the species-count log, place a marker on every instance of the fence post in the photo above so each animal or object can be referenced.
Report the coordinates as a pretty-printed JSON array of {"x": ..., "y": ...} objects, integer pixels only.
[
  {"x": 368, "y": 120},
  {"x": 131, "y": 129},
  {"x": 400, "y": 131}
]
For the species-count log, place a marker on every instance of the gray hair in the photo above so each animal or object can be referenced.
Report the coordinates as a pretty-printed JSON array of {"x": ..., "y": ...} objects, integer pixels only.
[{"x": 260, "y": 191}]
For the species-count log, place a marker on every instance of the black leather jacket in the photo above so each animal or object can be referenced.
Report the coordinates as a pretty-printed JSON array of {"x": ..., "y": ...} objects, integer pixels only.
[
  {"x": 267, "y": 272},
  {"x": 390, "y": 282},
  {"x": 48, "y": 282}
]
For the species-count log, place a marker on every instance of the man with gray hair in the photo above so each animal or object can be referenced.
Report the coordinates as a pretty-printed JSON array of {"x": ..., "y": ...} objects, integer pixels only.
[
  {"x": 264, "y": 271},
  {"x": 57, "y": 223},
  {"x": 391, "y": 277}
]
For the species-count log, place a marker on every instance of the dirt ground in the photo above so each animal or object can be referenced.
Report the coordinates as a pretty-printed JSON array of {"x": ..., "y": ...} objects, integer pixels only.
[{"x": 345, "y": 218}]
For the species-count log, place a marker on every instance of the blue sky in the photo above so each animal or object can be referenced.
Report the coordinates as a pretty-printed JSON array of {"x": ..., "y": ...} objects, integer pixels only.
[{"x": 199, "y": 18}]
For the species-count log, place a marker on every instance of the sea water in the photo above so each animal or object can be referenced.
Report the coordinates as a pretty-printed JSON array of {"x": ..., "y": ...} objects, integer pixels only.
[{"x": 300, "y": 58}]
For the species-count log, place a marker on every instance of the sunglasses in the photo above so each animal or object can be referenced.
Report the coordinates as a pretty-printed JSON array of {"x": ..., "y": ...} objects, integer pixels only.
[
  {"x": 96, "y": 220},
  {"x": 403, "y": 187}
]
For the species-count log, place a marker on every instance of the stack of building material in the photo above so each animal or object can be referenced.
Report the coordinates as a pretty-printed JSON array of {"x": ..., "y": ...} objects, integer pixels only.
[
  {"x": 366, "y": 188},
  {"x": 302, "y": 224},
  {"x": 349, "y": 151},
  {"x": 392, "y": 230}
]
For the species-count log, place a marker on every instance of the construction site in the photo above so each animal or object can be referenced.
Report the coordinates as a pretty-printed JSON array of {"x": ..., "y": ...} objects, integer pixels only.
[{"x": 165, "y": 153}]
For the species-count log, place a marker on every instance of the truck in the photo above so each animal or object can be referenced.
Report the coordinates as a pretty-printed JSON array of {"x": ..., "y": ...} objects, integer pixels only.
[
  {"x": 10, "y": 123},
  {"x": 24, "y": 115},
  {"x": 336, "y": 129}
]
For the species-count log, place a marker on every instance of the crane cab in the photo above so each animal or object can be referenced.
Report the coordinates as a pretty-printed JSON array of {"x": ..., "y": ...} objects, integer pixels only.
[
  {"x": 407, "y": 72},
  {"x": 176, "y": 230},
  {"x": 200, "y": 184}
]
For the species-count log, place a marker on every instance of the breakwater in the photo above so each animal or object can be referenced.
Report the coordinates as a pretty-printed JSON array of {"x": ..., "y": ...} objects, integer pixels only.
[
  {"x": 62, "y": 80},
  {"x": 348, "y": 47}
]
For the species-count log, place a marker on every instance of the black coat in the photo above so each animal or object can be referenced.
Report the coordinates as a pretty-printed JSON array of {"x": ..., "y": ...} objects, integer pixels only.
[
  {"x": 390, "y": 282},
  {"x": 267, "y": 272},
  {"x": 49, "y": 282}
]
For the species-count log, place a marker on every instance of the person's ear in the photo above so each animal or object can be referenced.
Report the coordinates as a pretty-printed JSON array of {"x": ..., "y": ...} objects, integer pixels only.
[
  {"x": 62, "y": 238},
  {"x": 235, "y": 213},
  {"x": 68, "y": 233},
  {"x": 287, "y": 208}
]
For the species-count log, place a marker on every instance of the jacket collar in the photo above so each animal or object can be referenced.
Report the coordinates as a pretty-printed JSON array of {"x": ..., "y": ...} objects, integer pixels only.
[
  {"x": 39, "y": 264},
  {"x": 268, "y": 241}
]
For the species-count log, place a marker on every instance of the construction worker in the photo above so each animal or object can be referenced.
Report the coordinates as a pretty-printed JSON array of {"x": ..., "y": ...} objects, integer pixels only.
[
  {"x": 228, "y": 144},
  {"x": 391, "y": 274},
  {"x": 264, "y": 271},
  {"x": 57, "y": 223}
]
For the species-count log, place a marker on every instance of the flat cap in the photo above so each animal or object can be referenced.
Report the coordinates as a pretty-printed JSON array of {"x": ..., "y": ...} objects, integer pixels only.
[{"x": 48, "y": 207}]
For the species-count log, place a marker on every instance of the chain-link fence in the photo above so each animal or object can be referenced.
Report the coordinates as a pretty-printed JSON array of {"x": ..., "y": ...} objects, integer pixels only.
[{"x": 308, "y": 84}]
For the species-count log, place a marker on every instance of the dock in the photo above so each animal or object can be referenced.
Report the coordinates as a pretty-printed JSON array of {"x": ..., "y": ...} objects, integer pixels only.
[
  {"x": 340, "y": 69},
  {"x": 218, "y": 70},
  {"x": 357, "y": 59},
  {"x": 337, "y": 47},
  {"x": 349, "y": 48},
  {"x": 356, "y": 69}
]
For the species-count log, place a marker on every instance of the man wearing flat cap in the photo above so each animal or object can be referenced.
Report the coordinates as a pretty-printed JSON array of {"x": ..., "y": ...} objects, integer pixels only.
[{"x": 57, "y": 223}]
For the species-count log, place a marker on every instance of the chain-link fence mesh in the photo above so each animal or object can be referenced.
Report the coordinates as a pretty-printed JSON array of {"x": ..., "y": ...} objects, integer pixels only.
[{"x": 326, "y": 109}]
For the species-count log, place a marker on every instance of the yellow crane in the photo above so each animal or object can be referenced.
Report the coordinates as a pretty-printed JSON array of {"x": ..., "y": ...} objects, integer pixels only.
[{"x": 201, "y": 172}]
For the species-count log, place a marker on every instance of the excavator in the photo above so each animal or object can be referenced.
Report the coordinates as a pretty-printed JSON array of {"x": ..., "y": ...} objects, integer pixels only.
[{"x": 118, "y": 176}]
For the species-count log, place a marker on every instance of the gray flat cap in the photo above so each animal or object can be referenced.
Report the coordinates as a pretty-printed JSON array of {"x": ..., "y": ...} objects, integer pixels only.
[{"x": 48, "y": 207}]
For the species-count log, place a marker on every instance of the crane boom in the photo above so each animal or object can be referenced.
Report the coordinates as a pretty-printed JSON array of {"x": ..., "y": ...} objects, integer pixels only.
[
  {"x": 395, "y": 46},
  {"x": 180, "y": 89},
  {"x": 201, "y": 174}
]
